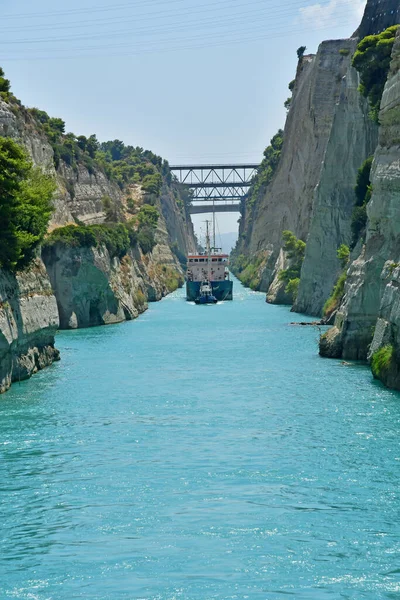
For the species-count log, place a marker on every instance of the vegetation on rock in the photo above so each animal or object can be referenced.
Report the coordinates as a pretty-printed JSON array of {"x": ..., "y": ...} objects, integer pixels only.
[
  {"x": 295, "y": 250},
  {"x": 300, "y": 51},
  {"x": 287, "y": 103},
  {"x": 266, "y": 170},
  {"x": 4, "y": 84},
  {"x": 382, "y": 361},
  {"x": 343, "y": 254},
  {"x": 117, "y": 237},
  {"x": 25, "y": 205},
  {"x": 372, "y": 60},
  {"x": 334, "y": 300},
  {"x": 120, "y": 163},
  {"x": 363, "y": 192},
  {"x": 250, "y": 272}
]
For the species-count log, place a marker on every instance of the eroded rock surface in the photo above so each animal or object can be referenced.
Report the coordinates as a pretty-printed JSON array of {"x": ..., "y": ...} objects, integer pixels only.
[
  {"x": 367, "y": 318},
  {"x": 353, "y": 138},
  {"x": 28, "y": 323}
]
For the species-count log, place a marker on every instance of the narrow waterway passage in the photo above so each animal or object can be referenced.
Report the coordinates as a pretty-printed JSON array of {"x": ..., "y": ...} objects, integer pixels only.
[{"x": 199, "y": 453}]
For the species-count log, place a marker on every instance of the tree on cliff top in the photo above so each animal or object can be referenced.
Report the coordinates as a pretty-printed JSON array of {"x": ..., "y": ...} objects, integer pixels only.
[
  {"x": 25, "y": 205},
  {"x": 300, "y": 51},
  {"x": 372, "y": 60}
]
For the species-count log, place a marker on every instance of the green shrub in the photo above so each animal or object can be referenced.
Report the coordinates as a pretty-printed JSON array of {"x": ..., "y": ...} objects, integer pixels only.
[
  {"x": 343, "y": 254},
  {"x": 25, "y": 205},
  {"x": 151, "y": 184},
  {"x": 291, "y": 85},
  {"x": 292, "y": 288},
  {"x": 300, "y": 51},
  {"x": 363, "y": 192},
  {"x": 344, "y": 51},
  {"x": 382, "y": 360},
  {"x": 287, "y": 103},
  {"x": 146, "y": 239},
  {"x": 336, "y": 297},
  {"x": 118, "y": 237},
  {"x": 363, "y": 182},
  {"x": 295, "y": 250},
  {"x": 266, "y": 170},
  {"x": 148, "y": 216},
  {"x": 358, "y": 223},
  {"x": 372, "y": 60},
  {"x": 249, "y": 276},
  {"x": 110, "y": 209}
]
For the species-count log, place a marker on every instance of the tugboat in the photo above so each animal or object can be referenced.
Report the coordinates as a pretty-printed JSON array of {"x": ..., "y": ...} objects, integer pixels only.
[
  {"x": 206, "y": 296},
  {"x": 208, "y": 269}
]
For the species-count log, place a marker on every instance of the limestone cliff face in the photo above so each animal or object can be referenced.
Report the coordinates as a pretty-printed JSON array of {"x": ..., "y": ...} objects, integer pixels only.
[
  {"x": 288, "y": 201},
  {"x": 353, "y": 138},
  {"x": 28, "y": 323},
  {"x": 369, "y": 310},
  {"x": 82, "y": 286},
  {"x": 378, "y": 16},
  {"x": 79, "y": 193},
  {"x": 92, "y": 288}
]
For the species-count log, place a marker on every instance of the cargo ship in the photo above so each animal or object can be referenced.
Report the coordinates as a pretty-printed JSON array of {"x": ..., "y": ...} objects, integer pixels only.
[{"x": 212, "y": 268}]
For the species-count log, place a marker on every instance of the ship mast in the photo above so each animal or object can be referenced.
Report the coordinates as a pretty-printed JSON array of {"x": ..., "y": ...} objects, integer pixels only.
[{"x": 208, "y": 250}]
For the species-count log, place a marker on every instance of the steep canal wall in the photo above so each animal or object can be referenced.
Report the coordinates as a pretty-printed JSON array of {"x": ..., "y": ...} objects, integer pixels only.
[
  {"x": 118, "y": 233},
  {"x": 320, "y": 248}
]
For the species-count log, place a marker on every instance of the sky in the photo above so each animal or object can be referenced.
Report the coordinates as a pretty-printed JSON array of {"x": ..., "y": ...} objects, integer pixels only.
[{"x": 194, "y": 81}]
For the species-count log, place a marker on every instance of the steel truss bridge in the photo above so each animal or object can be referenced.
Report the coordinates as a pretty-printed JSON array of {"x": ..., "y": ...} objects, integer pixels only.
[{"x": 216, "y": 187}]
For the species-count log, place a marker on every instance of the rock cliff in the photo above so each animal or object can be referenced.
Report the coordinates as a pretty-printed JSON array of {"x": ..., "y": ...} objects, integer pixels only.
[
  {"x": 94, "y": 288},
  {"x": 28, "y": 323},
  {"x": 353, "y": 138},
  {"x": 328, "y": 135},
  {"x": 378, "y": 16},
  {"x": 83, "y": 286},
  {"x": 288, "y": 201},
  {"x": 367, "y": 319}
]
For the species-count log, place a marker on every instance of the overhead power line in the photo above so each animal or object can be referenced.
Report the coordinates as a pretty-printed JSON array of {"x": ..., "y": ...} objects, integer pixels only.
[
  {"x": 108, "y": 8},
  {"x": 212, "y": 11},
  {"x": 145, "y": 48}
]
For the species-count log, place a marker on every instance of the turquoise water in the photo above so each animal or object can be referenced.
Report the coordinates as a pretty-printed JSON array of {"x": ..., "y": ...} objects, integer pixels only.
[{"x": 199, "y": 453}]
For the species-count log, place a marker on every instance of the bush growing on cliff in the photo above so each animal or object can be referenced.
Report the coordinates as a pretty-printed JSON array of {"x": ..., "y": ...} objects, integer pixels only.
[
  {"x": 148, "y": 216},
  {"x": 372, "y": 60},
  {"x": 266, "y": 170},
  {"x": 300, "y": 51},
  {"x": 247, "y": 269},
  {"x": 363, "y": 191},
  {"x": 146, "y": 239},
  {"x": 295, "y": 250},
  {"x": 382, "y": 361},
  {"x": 343, "y": 254},
  {"x": 292, "y": 288},
  {"x": 25, "y": 205},
  {"x": 4, "y": 83},
  {"x": 336, "y": 297},
  {"x": 110, "y": 209},
  {"x": 334, "y": 300},
  {"x": 118, "y": 237}
]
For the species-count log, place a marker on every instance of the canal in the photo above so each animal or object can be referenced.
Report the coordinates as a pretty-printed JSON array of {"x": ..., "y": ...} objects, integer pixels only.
[{"x": 199, "y": 453}]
